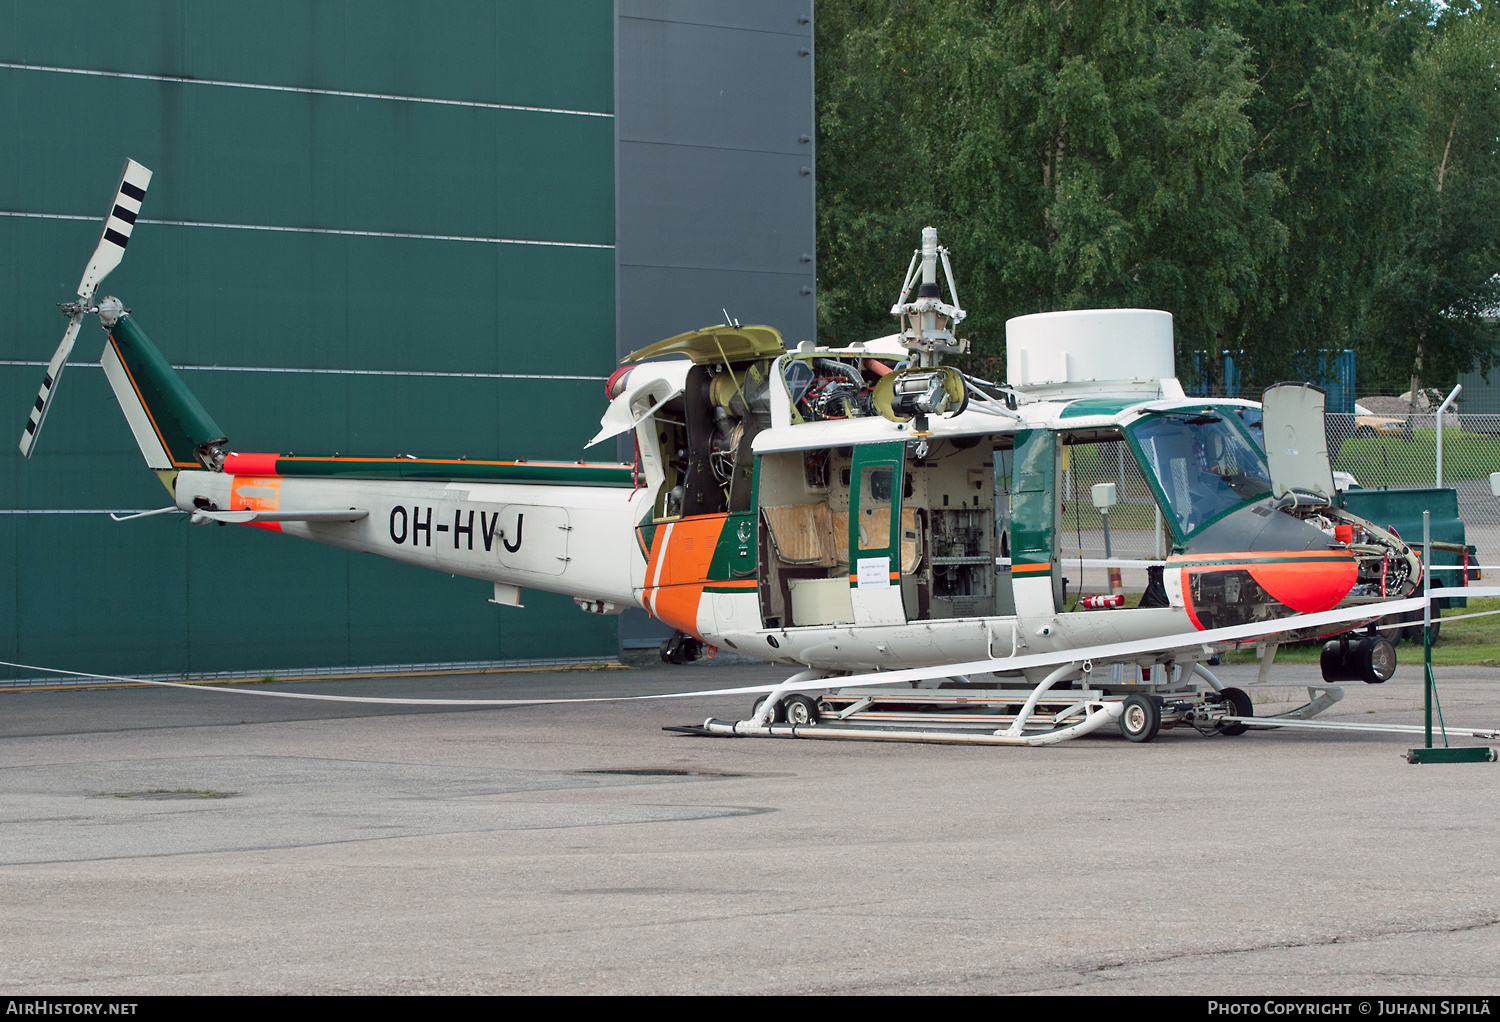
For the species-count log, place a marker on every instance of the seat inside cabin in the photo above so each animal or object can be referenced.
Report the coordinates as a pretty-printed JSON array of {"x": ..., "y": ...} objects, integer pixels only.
[
  {"x": 948, "y": 534},
  {"x": 805, "y": 538}
]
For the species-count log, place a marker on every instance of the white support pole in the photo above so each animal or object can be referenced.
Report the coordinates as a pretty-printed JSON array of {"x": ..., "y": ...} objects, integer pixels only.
[
  {"x": 1441, "y": 409},
  {"x": 1426, "y": 569}
]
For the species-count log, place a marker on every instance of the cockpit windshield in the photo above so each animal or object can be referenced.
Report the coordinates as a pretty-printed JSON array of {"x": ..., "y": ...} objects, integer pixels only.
[{"x": 1202, "y": 465}]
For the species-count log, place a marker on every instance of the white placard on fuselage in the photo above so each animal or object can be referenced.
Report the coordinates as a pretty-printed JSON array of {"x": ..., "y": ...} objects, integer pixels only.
[{"x": 874, "y": 572}]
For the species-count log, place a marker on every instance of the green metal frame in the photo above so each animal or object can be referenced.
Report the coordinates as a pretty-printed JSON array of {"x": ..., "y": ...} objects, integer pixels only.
[
  {"x": 892, "y": 455},
  {"x": 1428, "y": 754},
  {"x": 1033, "y": 510}
]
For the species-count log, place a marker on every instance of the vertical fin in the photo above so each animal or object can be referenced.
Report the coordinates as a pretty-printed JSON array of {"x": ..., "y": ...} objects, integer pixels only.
[{"x": 172, "y": 428}]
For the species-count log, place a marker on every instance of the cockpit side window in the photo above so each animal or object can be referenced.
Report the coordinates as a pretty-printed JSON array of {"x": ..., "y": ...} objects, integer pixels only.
[{"x": 1200, "y": 466}]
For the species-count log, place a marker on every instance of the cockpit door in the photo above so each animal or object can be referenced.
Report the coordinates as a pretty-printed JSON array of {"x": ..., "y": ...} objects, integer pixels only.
[
  {"x": 875, "y": 548},
  {"x": 1036, "y": 578},
  {"x": 1296, "y": 444}
]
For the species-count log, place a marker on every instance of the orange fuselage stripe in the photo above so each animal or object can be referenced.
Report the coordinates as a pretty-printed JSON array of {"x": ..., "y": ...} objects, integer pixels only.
[{"x": 677, "y": 569}]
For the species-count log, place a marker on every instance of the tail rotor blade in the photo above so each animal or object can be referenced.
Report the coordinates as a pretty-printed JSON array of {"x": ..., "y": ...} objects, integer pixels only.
[
  {"x": 49, "y": 386},
  {"x": 118, "y": 223},
  {"x": 117, "y": 227}
]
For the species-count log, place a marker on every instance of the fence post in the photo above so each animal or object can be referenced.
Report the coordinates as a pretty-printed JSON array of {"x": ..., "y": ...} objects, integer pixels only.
[{"x": 1441, "y": 409}]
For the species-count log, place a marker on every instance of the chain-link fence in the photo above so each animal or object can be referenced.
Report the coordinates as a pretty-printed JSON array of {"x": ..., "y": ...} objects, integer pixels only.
[
  {"x": 1401, "y": 452},
  {"x": 1135, "y": 526}
]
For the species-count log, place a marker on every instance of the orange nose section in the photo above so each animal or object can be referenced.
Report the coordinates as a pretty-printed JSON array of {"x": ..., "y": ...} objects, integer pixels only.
[{"x": 1308, "y": 588}]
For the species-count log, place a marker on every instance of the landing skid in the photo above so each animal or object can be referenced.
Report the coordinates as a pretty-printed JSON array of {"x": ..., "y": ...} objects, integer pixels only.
[{"x": 948, "y": 710}]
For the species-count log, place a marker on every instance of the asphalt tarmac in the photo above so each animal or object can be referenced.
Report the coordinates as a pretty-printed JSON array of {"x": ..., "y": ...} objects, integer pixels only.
[{"x": 582, "y": 849}]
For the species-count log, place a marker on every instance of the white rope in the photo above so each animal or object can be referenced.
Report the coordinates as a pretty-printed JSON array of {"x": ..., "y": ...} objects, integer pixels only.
[
  {"x": 1344, "y": 725},
  {"x": 379, "y": 700},
  {"x": 1125, "y": 562},
  {"x": 1116, "y": 651}
]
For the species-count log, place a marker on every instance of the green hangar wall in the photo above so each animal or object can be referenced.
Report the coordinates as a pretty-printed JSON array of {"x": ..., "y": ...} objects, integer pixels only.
[
  {"x": 380, "y": 228},
  {"x": 374, "y": 227}
]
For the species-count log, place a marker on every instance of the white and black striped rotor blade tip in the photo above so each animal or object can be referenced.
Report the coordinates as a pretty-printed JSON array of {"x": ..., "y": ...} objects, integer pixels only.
[
  {"x": 117, "y": 227},
  {"x": 49, "y": 387}
]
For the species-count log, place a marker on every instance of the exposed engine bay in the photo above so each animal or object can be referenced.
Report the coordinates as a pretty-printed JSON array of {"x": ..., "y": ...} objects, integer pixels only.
[{"x": 1387, "y": 566}]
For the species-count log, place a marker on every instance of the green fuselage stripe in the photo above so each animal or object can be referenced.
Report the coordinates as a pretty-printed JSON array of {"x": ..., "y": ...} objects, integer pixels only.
[{"x": 491, "y": 471}]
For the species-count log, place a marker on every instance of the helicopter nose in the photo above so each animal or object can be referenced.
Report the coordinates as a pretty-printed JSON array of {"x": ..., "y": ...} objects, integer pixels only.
[{"x": 1229, "y": 589}]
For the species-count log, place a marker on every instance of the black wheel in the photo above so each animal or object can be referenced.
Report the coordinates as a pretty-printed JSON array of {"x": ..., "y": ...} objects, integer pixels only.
[
  {"x": 775, "y": 717},
  {"x": 1364, "y": 431},
  {"x": 680, "y": 648},
  {"x": 800, "y": 710},
  {"x": 668, "y": 650},
  {"x": 1141, "y": 719},
  {"x": 1413, "y": 632},
  {"x": 1238, "y": 703}
]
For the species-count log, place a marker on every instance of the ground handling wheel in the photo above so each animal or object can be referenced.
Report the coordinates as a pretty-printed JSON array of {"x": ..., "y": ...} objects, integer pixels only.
[
  {"x": 1237, "y": 702},
  {"x": 799, "y": 709},
  {"x": 1141, "y": 718},
  {"x": 775, "y": 715}
]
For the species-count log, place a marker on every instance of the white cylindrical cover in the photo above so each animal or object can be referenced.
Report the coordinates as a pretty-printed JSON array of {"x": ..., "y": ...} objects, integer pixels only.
[{"x": 1089, "y": 345}]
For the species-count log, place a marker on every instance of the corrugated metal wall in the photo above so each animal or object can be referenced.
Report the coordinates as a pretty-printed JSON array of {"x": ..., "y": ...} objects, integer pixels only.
[{"x": 350, "y": 215}]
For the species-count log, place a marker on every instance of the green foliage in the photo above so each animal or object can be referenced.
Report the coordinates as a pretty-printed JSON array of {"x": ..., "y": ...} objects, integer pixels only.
[
  {"x": 1073, "y": 155},
  {"x": 1426, "y": 313},
  {"x": 1265, "y": 170}
]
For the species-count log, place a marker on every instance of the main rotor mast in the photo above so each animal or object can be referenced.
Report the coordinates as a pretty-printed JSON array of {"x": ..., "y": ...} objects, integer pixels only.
[{"x": 926, "y": 322}]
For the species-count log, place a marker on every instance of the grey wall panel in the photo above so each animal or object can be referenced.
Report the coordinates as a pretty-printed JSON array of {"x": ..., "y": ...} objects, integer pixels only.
[
  {"x": 792, "y": 17},
  {"x": 695, "y": 90},
  {"x": 703, "y": 293},
  {"x": 730, "y": 209},
  {"x": 704, "y": 177}
]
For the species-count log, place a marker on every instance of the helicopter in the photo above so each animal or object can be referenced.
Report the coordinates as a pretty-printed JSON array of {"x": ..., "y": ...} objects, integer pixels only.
[{"x": 885, "y": 523}]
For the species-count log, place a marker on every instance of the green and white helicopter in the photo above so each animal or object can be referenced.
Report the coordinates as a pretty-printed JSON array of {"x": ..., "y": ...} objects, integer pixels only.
[{"x": 881, "y": 522}]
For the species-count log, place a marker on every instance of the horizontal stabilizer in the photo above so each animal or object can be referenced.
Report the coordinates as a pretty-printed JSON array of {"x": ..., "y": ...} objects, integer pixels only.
[{"x": 245, "y": 517}]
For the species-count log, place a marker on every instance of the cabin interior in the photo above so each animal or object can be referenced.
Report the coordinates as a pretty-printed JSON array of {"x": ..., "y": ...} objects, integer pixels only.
[{"x": 942, "y": 507}]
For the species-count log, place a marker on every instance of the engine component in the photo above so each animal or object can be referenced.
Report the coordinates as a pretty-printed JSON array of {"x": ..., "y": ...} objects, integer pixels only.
[{"x": 907, "y": 393}]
